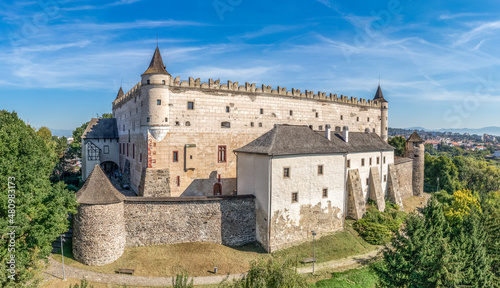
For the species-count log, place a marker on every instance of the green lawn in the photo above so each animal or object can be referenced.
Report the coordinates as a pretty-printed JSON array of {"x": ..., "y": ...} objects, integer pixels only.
[
  {"x": 331, "y": 247},
  {"x": 359, "y": 278}
]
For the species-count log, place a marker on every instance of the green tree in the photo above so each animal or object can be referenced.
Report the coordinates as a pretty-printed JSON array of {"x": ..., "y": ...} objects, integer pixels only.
[
  {"x": 429, "y": 148},
  {"x": 45, "y": 134},
  {"x": 41, "y": 209},
  {"x": 76, "y": 145},
  {"x": 441, "y": 167},
  {"x": 107, "y": 115},
  {"x": 491, "y": 220},
  {"x": 399, "y": 144}
]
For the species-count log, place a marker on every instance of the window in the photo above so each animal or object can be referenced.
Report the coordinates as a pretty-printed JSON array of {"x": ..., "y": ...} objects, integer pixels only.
[
  {"x": 385, "y": 178},
  {"x": 320, "y": 169},
  {"x": 190, "y": 105},
  {"x": 317, "y": 114},
  {"x": 362, "y": 162},
  {"x": 148, "y": 119},
  {"x": 225, "y": 125},
  {"x": 384, "y": 159},
  {"x": 93, "y": 152},
  {"x": 127, "y": 149},
  {"x": 325, "y": 192},
  {"x": 177, "y": 123},
  {"x": 123, "y": 127},
  {"x": 166, "y": 119},
  {"x": 367, "y": 181},
  {"x": 178, "y": 180},
  {"x": 341, "y": 117},
  {"x": 158, "y": 102},
  {"x": 251, "y": 124},
  {"x": 260, "y": 124},
  {"x": 222, "y": 154},
  {"x": 378, "y": 160},
  {"x": 295, "y": 197},
  {"x": 311, "y": 127},
  {"x": 227, "y": 109},
  {"x": 368, "y": 119},
  {"x": 261, "y": 111},
  {"x": 373, "y": 130},
  {"x": 188, "y": 123},
  {"x": 120, "y": 148},
  {"x": 175, "y": 156},
  {"x": 133, "y": 151},
  {"x": 370, "y": 161},
  {"x": 357, "y": 119},
  {"x": 320, "y": 127},
  {"x": 148, "y": 82},
  {"x": 163, "y": 82},
  {"x": 141, "y": 103},
  {"x": 291, "y": 113},
  {"x": 348, "y": 163},
  {"x": 286, "y": 172},
  {"x": 140, "y": 157},
  {"x": 337, "y": 128}
]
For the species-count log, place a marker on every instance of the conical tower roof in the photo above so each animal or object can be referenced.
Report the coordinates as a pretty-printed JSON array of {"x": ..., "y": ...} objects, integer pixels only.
[
  {"x": 120, "y": 93},
  {"x": 414, "y": 137},
  {"x": 156, "y": 66},
  {"x": 379, "y": 96},
  {"x": 98, "y": 190}
]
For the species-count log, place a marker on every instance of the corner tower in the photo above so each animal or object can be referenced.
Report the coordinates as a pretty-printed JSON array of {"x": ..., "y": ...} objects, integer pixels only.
[
  {"x": 415, "y": 150},
  {"x": 384, "y": 115}
]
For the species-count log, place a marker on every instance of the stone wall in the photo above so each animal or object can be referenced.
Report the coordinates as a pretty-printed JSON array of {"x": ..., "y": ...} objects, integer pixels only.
[
  {"x": 154, "y": 183},
  {"x": 98, "y": 234},
  {"x": 227, "y": 220},
  {"x": 404, "y": 171}
]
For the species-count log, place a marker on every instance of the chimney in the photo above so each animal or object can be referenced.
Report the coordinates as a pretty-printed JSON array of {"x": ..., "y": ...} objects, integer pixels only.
[
  {"x": 328, "y": 133},
  {"x": 345, "y": 134}
]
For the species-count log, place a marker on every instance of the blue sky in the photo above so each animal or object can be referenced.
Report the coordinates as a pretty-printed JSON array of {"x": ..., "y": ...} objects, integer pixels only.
[{"x": 438, "y": 61}]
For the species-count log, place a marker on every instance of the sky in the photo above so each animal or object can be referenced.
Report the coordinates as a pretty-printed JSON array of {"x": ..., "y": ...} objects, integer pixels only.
[{"x": 62, "y": 62}]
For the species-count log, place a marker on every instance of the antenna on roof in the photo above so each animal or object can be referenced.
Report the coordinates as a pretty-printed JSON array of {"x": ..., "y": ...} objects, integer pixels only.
[
  {"x": 378, "y": 79},
  {"x": 156, "y": 39}
]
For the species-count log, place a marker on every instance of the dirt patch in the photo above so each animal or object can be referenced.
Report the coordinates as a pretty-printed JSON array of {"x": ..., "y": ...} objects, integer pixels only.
[{"x": 413, "y": 203}]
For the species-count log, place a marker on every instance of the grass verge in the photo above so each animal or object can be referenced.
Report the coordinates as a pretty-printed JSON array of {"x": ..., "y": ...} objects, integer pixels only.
[{"x": 360, "y": 278}]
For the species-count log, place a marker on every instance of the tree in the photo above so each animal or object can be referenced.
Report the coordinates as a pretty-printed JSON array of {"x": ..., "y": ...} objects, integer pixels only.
[
  {"x": 107, "y": 115},
  {"x": 441, "y": 167},
  {"x": 399, "y": 144},
  {"x": 41, "y": 209},
  {"x": 462, "y": 204},
  {"x": 76, "y": 145}
]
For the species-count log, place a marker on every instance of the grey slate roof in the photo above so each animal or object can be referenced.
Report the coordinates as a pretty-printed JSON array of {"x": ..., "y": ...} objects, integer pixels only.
[
  {"x": 414, "y": 137},
  {"x": 295, "y": 139},
  {"x": 120, "y": 93},
  {"x": 156, "y": 66},
  {"x": 101, "y": 128},
  {"x": 98, "y": 190},
  {"x": 379, "y": 96}
]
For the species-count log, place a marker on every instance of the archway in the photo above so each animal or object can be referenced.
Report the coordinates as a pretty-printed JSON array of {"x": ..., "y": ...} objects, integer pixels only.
[
  {"x": 111, "y": 169},
  {"x": 217, "y": 189}
]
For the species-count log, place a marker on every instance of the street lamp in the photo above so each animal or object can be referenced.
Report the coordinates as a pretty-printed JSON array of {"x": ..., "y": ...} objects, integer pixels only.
[
  {"x": 314, "y": 248},
  {"x": 62, "y": 256}
]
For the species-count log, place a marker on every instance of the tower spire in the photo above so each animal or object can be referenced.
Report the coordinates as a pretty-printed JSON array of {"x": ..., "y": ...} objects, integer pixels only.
[{"x": 156, "y": 66}]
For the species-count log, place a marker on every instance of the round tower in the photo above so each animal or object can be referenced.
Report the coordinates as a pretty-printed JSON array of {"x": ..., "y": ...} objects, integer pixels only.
[
  {"x": 99, "y": 226},
  {"x": 155, "y": 93},
  {"x": 384, "y": 114},
  {"x": 415, "y": 150}
]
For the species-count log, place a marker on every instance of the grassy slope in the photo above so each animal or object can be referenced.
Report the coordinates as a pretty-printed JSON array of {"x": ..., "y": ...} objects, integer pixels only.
[{"x": 360, "y": 278}]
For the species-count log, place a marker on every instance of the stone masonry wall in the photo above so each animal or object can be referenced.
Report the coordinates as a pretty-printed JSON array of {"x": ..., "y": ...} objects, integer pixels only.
[
  {"x": 154, "y": 183},
  {"x": 404, "y": 171},
  {"x": 228, "y": 220},
  {"x": 98, "y": 234}
]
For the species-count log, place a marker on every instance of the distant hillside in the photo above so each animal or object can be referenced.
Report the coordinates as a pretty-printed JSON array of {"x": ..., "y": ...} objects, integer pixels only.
[
  {"x": 61, "y": 132},
  {"x": 491, "y": 130}
]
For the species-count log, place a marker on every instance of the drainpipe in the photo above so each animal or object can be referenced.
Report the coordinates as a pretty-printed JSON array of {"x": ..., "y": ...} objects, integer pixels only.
[{"x": 270, "y": 184}]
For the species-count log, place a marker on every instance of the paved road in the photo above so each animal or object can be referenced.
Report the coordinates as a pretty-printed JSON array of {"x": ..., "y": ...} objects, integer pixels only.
[{"x": 54, "y": 270}]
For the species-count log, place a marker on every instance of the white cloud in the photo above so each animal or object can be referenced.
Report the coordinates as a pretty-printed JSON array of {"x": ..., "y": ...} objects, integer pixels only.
[{"x": 479, "y": 31}]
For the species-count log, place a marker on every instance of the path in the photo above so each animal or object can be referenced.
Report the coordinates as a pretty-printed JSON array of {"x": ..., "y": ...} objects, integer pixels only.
[{"x": 54, "y": 270}]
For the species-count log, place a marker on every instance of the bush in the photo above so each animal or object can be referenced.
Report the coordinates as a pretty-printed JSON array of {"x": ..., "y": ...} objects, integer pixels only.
[
  {"x": 83, "y": 284},
  {"x": 269, "y": 274},
  {"x": 378, "y": 227}
]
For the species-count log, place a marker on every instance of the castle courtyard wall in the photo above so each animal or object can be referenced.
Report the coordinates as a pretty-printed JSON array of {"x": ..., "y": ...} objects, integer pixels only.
[
  {"x": 404, "y": 171},
  {"x": 228, "y": 220}
]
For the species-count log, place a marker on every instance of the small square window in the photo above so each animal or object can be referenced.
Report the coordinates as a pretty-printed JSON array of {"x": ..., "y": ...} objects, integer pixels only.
[
  {"x": 291, "y": 113},
  {"x": 106, "y": 149},
  {"x": 148, "y": 119},
  {"x": 261, "y": 111},
  {"x": 363, "y": 162},
  {"x": 317, "y": 114},
  {"x": 175, "y": 156},
  {"x": 320, "y": 127},
  {"x": 225, "y": 125},
  {"x": 320, "y": 169},
  {"x": 378, "y": 160},
  {"x": 357, "y": 119},
  {"x": 177, "y": 123},
  {"x": 384, "y": 159},
  {"x": 251, "y": 124},
  {"x": 163, "y": 82},
  {"x": 368, "y": 119},
  {"x": 149, "y": 82},
  {"x": 341, "y": 117},
  {"x": 370, "y": 161},
  {"x": 286, "y": 172},
  {"x": 158, "y": 102},
  {"x": 166, "y": 119},
  {"x": 190, "y": 105},
  {"x": 260, "y": 124},
  {"x": 295, "y": 197},
  {"x": 188, "y": 123},
  {"x": 348, "y": 163},
  {"x": 227, "y": 109},
  {"x": 325, "y": 192}
]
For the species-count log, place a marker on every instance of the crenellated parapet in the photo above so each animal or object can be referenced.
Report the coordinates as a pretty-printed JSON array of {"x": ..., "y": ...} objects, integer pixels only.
[{"x": 235, "y": 87}]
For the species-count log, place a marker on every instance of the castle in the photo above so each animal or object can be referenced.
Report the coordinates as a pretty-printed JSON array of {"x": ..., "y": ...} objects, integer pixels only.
[{"x": 233, "y": 164}]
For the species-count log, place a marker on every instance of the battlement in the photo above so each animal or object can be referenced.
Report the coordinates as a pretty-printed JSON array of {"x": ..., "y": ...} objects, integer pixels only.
[{"x": 234, "y": 87}]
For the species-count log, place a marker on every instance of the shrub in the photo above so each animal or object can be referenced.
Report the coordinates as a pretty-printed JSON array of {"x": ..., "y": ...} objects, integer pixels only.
[
  {"x": 378, "y": 227},
  {"x": 182, "y": 281},
  {"x": 83, "y": 284}
]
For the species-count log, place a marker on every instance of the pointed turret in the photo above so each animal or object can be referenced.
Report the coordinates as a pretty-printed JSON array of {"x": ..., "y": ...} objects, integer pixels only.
[
  {"x": 120, "y": 93},
  {"x": 379, "y": 96},
  {"x": 98, "y": 190},
  {"x": 156, "y": 66}
]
